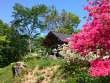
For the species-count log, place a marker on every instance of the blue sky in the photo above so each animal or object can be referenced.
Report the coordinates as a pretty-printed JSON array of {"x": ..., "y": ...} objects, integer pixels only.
[{"x": 74, "y": 6}]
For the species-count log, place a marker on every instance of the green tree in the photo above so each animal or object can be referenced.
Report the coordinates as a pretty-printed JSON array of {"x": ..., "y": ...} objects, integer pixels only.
[
  {"x": 4, "y": 40},
  {"x": 38, "y": 43},
  {"x": 66, "y": 22},
  {"x": 18, "y": 47},
  {"x": 4, "y": 29},
  {"x": 51, "y": 19},
  {"x": 28, "y": 21},
  {"x": 39, "y": 46},
  {"x": 13, "y": 46}
]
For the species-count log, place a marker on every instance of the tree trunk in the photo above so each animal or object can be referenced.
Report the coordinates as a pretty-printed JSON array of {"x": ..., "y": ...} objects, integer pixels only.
[{"x": 30, "y": 45}]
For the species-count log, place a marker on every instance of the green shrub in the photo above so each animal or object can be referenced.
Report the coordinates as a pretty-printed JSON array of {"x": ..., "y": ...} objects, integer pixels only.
[
  {"x": 40, "y": 78},
  {"x": 71, "y": 80},
  {"x": 72, "y": 68}
]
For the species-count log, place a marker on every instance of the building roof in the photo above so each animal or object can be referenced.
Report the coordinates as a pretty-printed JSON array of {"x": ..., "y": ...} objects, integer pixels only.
[
  {"x": 54, "y": 38},
  {"x": 61, "y": 36}
]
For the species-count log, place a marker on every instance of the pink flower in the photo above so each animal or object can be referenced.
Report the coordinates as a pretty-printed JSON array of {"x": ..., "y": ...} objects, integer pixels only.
[
  {"x": 100, "y": 68},
  {"x": 95, "y": 32},
  {"x": 91, "y": 2}
]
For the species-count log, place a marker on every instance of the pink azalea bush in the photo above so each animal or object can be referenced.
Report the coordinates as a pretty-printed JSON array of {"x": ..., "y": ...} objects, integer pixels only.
[
  {"x": 95, "y": 34},
  {"x": 100, "y": 68}
]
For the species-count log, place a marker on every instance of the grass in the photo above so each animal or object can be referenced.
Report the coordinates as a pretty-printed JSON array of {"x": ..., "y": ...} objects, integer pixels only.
[
  {"x": 6, "y": 72},
  {"x": 42, "y": 62}
]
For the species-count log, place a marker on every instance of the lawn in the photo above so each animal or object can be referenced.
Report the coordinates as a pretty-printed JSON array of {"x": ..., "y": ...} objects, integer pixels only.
[{"x": 6, "y": 74}]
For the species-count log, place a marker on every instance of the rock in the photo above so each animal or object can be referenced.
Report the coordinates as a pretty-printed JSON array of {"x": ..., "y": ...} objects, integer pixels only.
[{"x": 17, "y": 68}]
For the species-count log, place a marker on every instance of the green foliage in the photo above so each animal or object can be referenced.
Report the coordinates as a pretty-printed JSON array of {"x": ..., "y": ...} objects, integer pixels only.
[
  {"x": 41, "y": 62},
  {"x": 74, "y": 67},
  {"x": 4, "y": 31},
  {"x": 28, "y": 21},
  {"x": 84, "y": 77},
  {"x": 39, "y": 47},
  {"x": 71, "y": 80},
  {"x": 66, "y": 22},
  {"x": 21, "y": 37},
  {"x": 4, "y": 40},
  {"x": 15, "y": 51},
  {"x": 77, "y": 72},
  {"x": 6, "y": 72},
  {"x": 77, "y": 30},
  {"x": 38, "y": 43},
  {"x": 40, "y": 78},
  {"x": 13, "y": 46}
]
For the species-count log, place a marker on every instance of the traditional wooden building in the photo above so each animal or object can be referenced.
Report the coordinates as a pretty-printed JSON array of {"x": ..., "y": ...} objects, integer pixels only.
[{"x": 53, "y": 39}]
